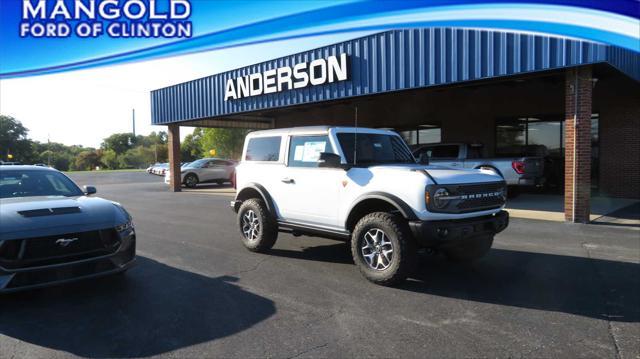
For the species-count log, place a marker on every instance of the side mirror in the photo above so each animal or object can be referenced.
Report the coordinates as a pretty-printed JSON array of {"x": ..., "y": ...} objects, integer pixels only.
[
  {"x": 424, "y": 158},
  {"x": 89, "y": 190},
  {"x": 329, "y": 160}
]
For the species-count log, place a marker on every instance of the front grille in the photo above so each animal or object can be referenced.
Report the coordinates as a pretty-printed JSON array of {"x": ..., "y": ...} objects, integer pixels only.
[
  {"x": 39, "y": 251},
  {"x": 480, "y": 203},
  {"x": 471, "y": 197},
  {"x": 38, "y": 277},
  {"x": 479, "y": 188}
]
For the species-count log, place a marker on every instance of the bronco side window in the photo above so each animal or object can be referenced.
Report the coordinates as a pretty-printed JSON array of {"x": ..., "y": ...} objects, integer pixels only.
[
  {"x": 263, "y": 149},
  {"x": 304, "y": 151}
]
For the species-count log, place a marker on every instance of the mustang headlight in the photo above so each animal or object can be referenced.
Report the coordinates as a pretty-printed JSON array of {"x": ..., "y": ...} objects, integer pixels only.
[
  {"x": 124, "y": 227},
  {"x": 441, "y": 198}
]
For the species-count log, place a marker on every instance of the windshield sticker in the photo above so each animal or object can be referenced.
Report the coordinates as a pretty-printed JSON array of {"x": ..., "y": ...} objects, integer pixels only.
[{"x": 312, "y": 151}]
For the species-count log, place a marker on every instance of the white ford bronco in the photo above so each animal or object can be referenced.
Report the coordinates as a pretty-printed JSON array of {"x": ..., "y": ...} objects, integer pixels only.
[{"x": 364, "y": 186}]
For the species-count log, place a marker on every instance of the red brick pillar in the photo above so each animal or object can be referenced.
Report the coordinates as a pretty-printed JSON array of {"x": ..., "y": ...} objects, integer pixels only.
[
  {"x": 577, "y": 142},
  {"x": 174, "y": 158}
]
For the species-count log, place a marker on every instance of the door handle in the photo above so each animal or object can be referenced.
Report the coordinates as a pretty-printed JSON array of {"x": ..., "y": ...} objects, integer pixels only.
[{"x": 287, "y": 180}]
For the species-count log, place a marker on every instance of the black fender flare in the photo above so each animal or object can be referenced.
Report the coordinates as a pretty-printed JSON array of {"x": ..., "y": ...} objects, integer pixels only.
[
  {"x": 393, "y": 200},
  {"x": 266, "y": 197}
]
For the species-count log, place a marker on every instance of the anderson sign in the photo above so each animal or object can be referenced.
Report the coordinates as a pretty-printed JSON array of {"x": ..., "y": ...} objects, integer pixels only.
[{"x": 314, "y": 73}]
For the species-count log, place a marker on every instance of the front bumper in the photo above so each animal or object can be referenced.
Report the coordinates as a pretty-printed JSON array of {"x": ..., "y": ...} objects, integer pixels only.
[
  {"x": 435, "y": 233},
  {"x": 12, "y": 280}
]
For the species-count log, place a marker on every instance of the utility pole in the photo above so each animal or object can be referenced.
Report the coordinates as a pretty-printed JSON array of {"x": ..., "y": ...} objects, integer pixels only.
[
  {"x": 133, "y": 113},
  {"x": 48, "y": 150}
]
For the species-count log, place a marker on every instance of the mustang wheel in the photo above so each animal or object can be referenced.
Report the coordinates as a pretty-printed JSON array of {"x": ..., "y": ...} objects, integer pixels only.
[
  {"x": 258, "y": 227},
  {"x": 383, "y": 249}
]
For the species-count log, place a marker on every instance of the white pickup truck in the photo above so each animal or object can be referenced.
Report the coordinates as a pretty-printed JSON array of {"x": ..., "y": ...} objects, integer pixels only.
[
  {"x": 364, "y": 186},
  {"x": 516, "y": 171}
]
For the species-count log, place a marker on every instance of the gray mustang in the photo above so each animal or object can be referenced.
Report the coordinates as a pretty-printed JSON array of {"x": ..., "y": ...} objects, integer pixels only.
[{"x": 53, "y": 232}]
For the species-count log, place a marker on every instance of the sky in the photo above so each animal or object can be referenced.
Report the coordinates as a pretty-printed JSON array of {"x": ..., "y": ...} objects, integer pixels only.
[{"x": 83, "y": 107}]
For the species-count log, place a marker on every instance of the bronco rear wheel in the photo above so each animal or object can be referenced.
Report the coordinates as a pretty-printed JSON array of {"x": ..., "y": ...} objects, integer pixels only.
[
  {"x": 258, "y": 227},
  {"x": 383, "y": 249}
]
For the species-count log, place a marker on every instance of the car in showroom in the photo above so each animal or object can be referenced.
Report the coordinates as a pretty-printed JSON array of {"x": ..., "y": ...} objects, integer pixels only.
[
  {"x": 518, "y": 172},
  {"x": 53, "y": 232},
  {"x": 205, "y": 170}
]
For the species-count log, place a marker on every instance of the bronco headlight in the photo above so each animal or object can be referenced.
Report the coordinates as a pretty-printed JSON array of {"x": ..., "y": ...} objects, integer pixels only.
[{"x": 441, "y": 198}]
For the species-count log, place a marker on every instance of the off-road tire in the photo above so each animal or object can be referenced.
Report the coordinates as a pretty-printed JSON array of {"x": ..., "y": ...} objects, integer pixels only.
[
  {"x": 267, "y": 232},
  {"x": 470, "y": 249},
  {"x": 191, "y": 180},
  {"x": 403, "y": 257}
]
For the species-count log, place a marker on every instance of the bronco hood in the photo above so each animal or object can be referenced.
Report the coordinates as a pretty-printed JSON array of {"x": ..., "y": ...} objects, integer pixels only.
[
  {"x": 44, "y": 216},
  {"x": 446, "y": 175}
]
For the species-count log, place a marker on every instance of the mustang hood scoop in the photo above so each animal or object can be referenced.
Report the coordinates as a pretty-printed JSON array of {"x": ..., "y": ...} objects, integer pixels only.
[{"x": 49, "y": 211}]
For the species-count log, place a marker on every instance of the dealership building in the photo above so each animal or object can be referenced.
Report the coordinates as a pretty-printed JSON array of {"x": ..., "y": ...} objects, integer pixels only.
[{"x": 576, "y": 102}]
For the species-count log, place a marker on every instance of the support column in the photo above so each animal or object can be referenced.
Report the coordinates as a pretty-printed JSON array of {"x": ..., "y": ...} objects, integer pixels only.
[
  {"x": 175, "y": 184},
  {"x": 577, "y": 142}
]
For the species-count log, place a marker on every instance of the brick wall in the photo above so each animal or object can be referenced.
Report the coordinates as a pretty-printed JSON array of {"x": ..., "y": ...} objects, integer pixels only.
[
  {"x": 618, "y": 103},
  {"x": 174, "y": 158},
  {"x": 577, "y": 126}
]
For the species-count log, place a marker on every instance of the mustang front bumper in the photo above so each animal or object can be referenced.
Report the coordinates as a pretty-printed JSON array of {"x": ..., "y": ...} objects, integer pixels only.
[{"x": 16, "y": 279}]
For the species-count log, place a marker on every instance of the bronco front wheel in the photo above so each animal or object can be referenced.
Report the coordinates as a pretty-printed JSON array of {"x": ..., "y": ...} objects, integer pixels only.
[{"x": 383, "y": 249}]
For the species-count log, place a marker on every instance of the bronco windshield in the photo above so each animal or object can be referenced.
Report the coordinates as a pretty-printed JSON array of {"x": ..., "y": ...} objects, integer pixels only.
[
  {"x": 374, "y": 148},
  {"x": 27, "y": 183}
]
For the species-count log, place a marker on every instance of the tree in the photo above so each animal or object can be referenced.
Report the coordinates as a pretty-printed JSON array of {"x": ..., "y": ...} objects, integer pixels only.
[
  {"x": 87, "y": 160},
  {"x": 14, "y": 141},
  {"x": 227, "y": 142},
  {"x": 119, "y": 142},
  {"x": 138, "y": 157},
  {"x": 152, "y": 139},
  {"x": 110, "y": 159},
  {"x": 190, "y": 148}
]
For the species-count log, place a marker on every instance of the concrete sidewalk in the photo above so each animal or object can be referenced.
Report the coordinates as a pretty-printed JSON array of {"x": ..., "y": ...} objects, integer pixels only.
[{"x": 551, "y": 208}]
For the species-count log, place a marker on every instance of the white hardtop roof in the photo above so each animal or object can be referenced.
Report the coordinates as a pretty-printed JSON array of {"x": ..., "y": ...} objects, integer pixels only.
[{"x": 310, "y": 130}]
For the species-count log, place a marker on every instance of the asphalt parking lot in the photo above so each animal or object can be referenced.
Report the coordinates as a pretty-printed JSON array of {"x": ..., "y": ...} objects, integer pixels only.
[{"x": 546, "y": 290}]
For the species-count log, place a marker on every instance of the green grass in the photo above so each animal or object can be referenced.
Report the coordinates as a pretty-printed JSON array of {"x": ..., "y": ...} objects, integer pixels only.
[{"x": 107, "y": 171}]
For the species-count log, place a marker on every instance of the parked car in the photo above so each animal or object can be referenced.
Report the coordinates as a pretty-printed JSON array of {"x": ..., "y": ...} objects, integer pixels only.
[
  {"x": 151, "y": 167},
  {"x": 205, "y": 170},
  {"x": 53, "y": 232},
  {"x": 525, "y": 171},
  {"x": 160, "y": 169},
  {"x": 364, "y": 186}
]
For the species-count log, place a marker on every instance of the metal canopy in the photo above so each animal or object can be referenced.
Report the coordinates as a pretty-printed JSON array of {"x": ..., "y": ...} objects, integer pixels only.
[{"x": 392, "y": 61}]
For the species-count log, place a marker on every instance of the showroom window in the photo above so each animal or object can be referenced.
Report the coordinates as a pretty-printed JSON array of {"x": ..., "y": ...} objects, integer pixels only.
[
  {"x": 422, "y": 135},
  {"x": 543, "y": 136},
  {"x": 263, "y": 149}
]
